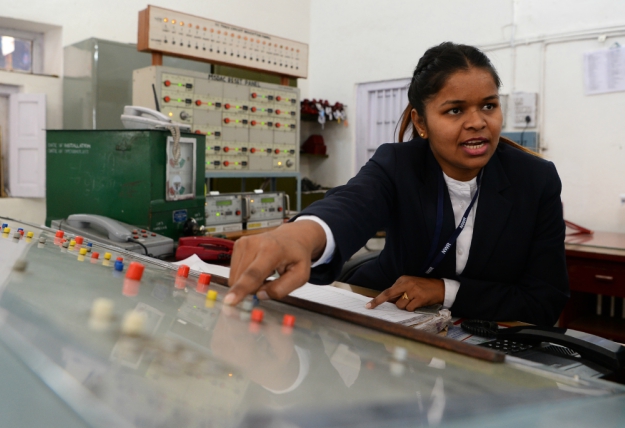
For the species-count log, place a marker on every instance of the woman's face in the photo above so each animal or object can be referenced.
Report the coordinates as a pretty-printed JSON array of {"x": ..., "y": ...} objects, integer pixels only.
[{"x": 463, "y": 122}]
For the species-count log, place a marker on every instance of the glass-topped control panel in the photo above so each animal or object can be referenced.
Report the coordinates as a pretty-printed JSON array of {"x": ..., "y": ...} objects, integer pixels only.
[{"x": 124, "y": 340}]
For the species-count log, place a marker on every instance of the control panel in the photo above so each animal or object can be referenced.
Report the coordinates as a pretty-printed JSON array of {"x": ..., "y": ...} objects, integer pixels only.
[
  {"x": 224, "y": 213},
  {"x": 265, "y": 209},
  {"x": 249, "y": 126},
  {"x": 181, "y": 34}
]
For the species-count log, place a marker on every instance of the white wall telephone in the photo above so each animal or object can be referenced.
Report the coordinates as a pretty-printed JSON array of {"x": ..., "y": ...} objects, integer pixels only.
[{"x": 136, "y": 117}]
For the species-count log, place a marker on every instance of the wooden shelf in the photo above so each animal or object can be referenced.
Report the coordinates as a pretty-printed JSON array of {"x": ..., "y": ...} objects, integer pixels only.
[
  {"x": 310, "y": 155},
  {"x": 610, "y": 328}
]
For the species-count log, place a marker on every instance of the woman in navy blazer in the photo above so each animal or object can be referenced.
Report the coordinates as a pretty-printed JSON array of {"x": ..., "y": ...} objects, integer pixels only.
[{"x": 516, "y": 267}]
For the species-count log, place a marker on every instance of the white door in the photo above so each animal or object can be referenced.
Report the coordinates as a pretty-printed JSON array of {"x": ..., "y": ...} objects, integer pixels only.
[
  {"x": 27, "y": 145},
  {"x": 380, "y": 104}
]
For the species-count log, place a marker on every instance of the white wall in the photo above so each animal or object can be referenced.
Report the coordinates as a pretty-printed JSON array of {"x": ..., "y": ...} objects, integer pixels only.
[{"x": 357, "y": 41}]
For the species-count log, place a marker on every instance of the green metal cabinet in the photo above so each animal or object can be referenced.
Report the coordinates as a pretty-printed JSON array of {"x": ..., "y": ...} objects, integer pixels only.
[{"x": 121, "y": 175}]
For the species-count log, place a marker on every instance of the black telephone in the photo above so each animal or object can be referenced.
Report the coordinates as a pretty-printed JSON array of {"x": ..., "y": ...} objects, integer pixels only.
[{"x": 563, "y": 348}]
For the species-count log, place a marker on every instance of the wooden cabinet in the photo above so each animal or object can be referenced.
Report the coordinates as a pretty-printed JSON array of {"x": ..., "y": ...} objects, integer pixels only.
[{"x": 596, "y": 265}]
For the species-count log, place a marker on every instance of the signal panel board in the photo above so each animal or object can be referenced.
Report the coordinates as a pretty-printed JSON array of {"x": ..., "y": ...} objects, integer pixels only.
[
  {"x": 181, "y": 34},
  {"x": 249, "y": 126}
]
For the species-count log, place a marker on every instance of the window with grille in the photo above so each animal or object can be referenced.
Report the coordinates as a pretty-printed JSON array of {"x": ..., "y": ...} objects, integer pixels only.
[{"x": 379, "y": 107}]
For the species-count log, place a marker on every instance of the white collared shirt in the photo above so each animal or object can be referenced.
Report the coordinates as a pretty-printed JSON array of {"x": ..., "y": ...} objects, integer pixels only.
[{"x": 460, "y": 194}]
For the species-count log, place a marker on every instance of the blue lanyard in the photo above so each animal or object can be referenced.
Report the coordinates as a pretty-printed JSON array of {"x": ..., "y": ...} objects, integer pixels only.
[{"x": 434, "y": 260}]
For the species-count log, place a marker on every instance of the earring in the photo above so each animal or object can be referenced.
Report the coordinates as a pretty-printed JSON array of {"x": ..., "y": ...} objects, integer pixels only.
[{"x": 422, "y": 135}]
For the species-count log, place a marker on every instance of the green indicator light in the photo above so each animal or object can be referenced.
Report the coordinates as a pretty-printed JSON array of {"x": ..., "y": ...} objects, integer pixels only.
[
  {"x": 217, "y": 214},
  {"x": 210, "y": 148},
  {"x": 236, "y": 121},
  {"x": 262, "y": 211},
  {"x": 179, "y": 84},
  {"x": 209, "y": 133},
  {"x": 262, "y": 123},
  {"x": 236, "y": 163},
  {"x": 210, "y": 104},
  {"x": 179, "y": 100}
]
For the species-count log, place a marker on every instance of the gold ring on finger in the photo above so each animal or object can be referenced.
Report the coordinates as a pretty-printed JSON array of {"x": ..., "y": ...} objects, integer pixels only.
[{"x": 405, "y": 296}]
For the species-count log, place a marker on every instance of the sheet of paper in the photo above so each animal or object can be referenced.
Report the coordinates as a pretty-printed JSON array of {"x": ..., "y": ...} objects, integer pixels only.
[
  {"x": 195, "y": 263},
  {"x": 327, "y": 295},
  {"x": 347, "y": 300},
  {"x": 604, "y": 71}
]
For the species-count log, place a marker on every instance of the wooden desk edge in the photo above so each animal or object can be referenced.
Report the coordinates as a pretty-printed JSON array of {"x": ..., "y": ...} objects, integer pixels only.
[{"x": 394, "y": 329}]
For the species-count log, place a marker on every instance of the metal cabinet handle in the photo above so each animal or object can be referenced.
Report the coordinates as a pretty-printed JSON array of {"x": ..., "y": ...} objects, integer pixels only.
[{"x": 604, "y": 277}]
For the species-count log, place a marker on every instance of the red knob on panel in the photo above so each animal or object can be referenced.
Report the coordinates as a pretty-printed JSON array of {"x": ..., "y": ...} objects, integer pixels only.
[
  {"x": 227, "y": 106},
  {"x": 278, "y": 125},
  {"x": 226, "y": 163},
  {"x": 167, "y": 99},
  {"x": 278, "y": 98},
  {"x": 226, "y": 149},
  {"x": 59, "y": 234},
  {"x": 253, "y": 123},
  {"x": 254, "y": 95},
  {"x": 198, "y": 132},
  {"x": 198, "y": 103},
  {"x": 279, "y": 209},
  {"x": 278, "y": 111},
  {"x": 205, "y": 279},
  {"x": 257, "y": 315},
  {"x": 238, "y": 212},
  {"x": 253, "y": 109},
  {"x": 226, "y": 120},
  {"x": 183, "y": 271},
  {"x": 288, "y": 320},
  {"x": 253, "y": 150},
  {"x": 277, "y": 151},
  {"x": 135, "y": 271},
  {"x": 79, "y": 240},
  {"x": 167, "y": 83}
]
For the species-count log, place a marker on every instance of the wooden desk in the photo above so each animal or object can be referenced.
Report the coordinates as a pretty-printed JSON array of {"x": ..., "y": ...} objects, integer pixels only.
[{"x": 596, "y": 266}]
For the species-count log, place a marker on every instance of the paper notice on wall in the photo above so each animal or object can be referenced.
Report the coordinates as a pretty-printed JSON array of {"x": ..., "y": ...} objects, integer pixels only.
[
  {"x": 524, "y": 106},
  {"x": 604, "y": 71}
]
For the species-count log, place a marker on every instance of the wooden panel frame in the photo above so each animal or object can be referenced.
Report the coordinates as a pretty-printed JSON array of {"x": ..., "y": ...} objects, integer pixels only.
[{"x": 143, "y": 40}]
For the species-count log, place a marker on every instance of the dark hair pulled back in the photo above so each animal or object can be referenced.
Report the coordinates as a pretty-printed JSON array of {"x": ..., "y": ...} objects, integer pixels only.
[{"x": 432, "y": 72}]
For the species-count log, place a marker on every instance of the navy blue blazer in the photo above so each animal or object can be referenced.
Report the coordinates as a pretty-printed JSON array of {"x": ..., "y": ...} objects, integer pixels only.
[{"x": 516, "y": 268}]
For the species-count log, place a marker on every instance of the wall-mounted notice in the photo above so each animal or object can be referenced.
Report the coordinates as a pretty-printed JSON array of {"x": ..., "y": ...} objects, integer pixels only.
[
  {"x": 524, "y": 105},
  {"x": 604, "y": 71}
]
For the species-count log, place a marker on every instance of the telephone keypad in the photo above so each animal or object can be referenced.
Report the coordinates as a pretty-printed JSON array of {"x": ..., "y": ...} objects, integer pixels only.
[{"x": 507, "y": 346}]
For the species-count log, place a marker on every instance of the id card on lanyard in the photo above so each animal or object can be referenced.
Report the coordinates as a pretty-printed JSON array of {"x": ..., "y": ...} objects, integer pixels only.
[{"x": 434, "y": 257}]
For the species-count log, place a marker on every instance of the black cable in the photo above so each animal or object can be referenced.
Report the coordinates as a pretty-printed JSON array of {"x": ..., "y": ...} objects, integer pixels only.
[
  {"x": 144, "y": 247},
  {"x": 155, "y": 98},
  {"x": 527, "y": 123}
]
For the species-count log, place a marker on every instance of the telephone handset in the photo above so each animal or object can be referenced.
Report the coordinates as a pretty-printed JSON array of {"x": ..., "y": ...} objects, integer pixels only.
[
  {"x": 116, "y": 232},
  {"x": 524, "y": 340},
  {"x": 136, "y": 117},
  {"x": 206, "y": 248}
]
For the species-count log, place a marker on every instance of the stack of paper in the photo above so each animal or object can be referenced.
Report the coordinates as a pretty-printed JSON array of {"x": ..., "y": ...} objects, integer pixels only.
[
  {"x": 349, "y": 301},
  {"x": 346, "y": 300}
]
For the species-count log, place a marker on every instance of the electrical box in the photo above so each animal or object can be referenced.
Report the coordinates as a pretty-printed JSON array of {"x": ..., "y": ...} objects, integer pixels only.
[
  {"x": 129, "y": 176},
  {"x": 249, "y": 126},
  {"x": 224, "y": 213},
  {"x": 264, "y": 209}
]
